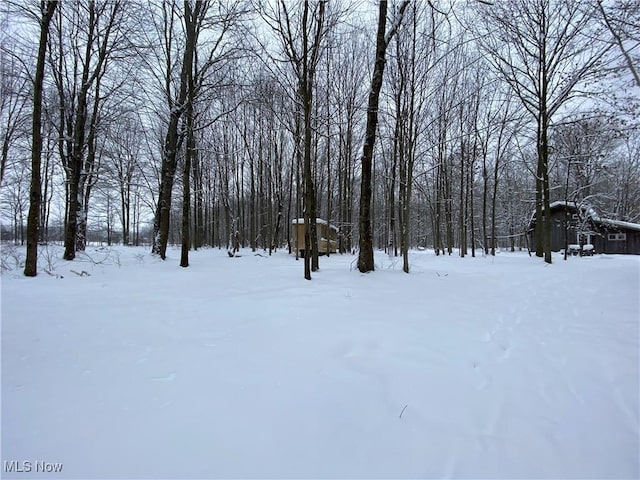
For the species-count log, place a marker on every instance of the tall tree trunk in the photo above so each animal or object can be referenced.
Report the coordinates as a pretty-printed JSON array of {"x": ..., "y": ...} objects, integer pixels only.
[
  {"x": 77, "y": 170},
  {"x": 290, "y": 207},
  {"x": 190, "y": 153},
  {"x": 30, "y": 268},
  {"x": 485, "y": 201},
  {"x": 494, "y": 198},
  {"x": 539, "y": 228},
  {"x": 186, "y": 196},
  {"x": 411, "y": 139},
  {"x": 448, "y": 210},
  {"x": 309, "y": 61},
  {"x": 471, "y": 205},
  {"x": 198, "y": 203},
  {"x": 544, "y": 160},
  {"x": 392, "y": 187},
  {"x": 461, "y": 217},
  {"x": 173, "y": 138},
  {"x": 87, "y": 176},
  {"x": 328, "y": 120},
  {"x": 75, "y": 191},
  {"x": 365, "y": 257}
]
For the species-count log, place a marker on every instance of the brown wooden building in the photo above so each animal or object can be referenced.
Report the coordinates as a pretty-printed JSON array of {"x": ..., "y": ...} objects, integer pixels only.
[
  {"x": 618, "y": 237},
  {"x": 327, "y": 236},
  {"x": 573, "y": 224}
]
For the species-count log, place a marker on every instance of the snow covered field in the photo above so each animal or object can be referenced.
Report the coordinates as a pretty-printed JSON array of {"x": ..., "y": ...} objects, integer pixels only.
[{"x": 239, "y": 368}]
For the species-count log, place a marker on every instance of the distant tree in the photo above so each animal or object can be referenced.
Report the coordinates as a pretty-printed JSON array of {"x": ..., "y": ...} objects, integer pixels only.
[
  {"x": 542, "y": 50},
  {"x": 122, "y": 169},
  {"x": 626, "y": 179},
  {"x": 348, "y": 94},
  {"x": 14, "y": 96},
  {"x": 302, "y": 34},
  {"x": 496, "y": 132},
  {"x": 585, "y": 154},
  {"x": 46, "y": 14},
  {"x": 410, "y": 74},
  {"x": 14, "y": 196}
]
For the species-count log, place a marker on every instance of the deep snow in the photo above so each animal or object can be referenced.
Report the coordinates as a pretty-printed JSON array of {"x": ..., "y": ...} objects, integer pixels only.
[{"x": 487, "y": 367}]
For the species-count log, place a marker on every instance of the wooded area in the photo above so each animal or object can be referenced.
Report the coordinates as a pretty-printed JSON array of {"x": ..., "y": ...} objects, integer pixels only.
[{"x": 439, "y": 124}]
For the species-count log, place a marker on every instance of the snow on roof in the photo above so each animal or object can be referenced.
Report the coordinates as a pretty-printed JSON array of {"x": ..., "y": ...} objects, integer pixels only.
[
  {"x": 620, "y": 223},
  {"x": 584, "y": 208},
  {"x": 591, "y": 213},
  {"x": 318, "y": 220},
  {"x": 562, "y": 203}
]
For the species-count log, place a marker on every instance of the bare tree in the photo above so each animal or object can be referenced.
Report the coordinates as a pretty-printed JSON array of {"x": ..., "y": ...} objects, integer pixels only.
[
  {"x": 349, "y": 98},
  {"x": 86, "y": 37},
  {"x": 14, "y": 89},
  {"x": 302, "y": 36},
  {"x": 626, "y": 179},
  {"x": 540, "y": 49},
  {"x": 383, "y": 38},
  {"x": 30, "y": 268},
  {"x": 193, "y": 16},
  {"x": 198, "y": 55},
  {"x": 122, "y": 170}
]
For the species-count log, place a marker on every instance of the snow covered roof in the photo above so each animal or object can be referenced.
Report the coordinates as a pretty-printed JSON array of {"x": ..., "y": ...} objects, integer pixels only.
[
  {"x": 591, "y": 213},
  {"x": 585, "y": 208},
  {"x": 318, "y": 220},
  {"x": 562, "y": 203},
  {"x": 620, "y": 223}
]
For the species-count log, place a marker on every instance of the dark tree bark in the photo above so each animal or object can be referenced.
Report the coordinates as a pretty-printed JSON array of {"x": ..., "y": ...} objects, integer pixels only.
[
  {"x": 78, "y": 159},
  {"x": 30, "y": 267},
  {"x": 173, "y": 138},
  {"x": 365, "y": 257},
  {"x": 189, "y": 155},
  {"x": 198, "y": 203},
  {"x": 303, "y": 50},
  {"x": 310, "y": 57}
]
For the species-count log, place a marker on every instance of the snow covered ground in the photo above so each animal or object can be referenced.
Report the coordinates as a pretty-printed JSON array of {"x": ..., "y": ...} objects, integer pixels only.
[{"x": 498, "y": 367}]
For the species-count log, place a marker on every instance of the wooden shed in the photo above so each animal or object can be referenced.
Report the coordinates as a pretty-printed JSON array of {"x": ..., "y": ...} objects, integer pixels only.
[
  {"x": 327, "y": 236},
  {"x": 618, "y": 237},
  {"x": 582, "y": 225}
]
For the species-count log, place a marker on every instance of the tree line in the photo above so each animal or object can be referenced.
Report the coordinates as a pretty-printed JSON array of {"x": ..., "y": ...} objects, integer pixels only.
[{"x": 215, "y": 123}]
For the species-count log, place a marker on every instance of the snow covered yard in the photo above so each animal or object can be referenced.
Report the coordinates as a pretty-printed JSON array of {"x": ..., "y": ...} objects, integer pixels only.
[{"x": 498, "y": 367}]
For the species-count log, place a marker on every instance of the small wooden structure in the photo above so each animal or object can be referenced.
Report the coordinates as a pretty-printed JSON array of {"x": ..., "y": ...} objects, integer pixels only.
[
  {"x": 327, "y": 236},
  {"x": 586, "y": 232}
]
